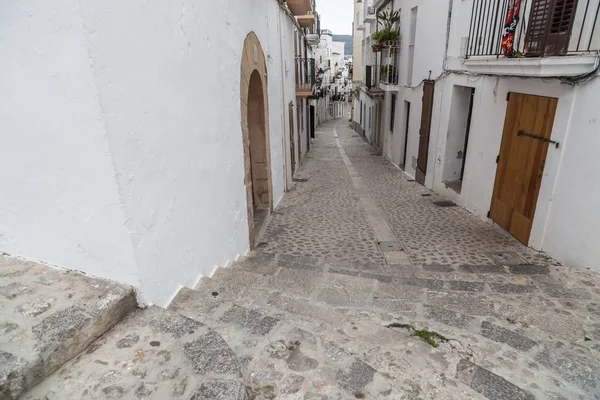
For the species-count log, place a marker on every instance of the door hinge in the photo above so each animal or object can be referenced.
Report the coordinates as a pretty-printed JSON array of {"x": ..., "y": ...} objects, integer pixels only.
[
  {"x": 508, "y": 96},
  {"x": 497, "y": 158},
  {"x": 489, "y": 214}
]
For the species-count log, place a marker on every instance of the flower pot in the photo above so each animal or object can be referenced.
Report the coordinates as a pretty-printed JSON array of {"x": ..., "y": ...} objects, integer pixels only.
[{"x": 376, "y": 48}]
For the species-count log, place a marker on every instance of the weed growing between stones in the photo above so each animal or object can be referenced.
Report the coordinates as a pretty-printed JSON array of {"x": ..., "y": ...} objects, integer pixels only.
[{"x": 432, "y": 338}]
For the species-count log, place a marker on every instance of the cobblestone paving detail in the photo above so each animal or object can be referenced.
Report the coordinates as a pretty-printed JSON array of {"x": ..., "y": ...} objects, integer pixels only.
[
  {"x": 322, "y": 217},
  {"x": 447, "y": 235}
]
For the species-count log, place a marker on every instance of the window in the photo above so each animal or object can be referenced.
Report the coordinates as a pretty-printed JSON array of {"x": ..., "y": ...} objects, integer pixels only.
[
  {"x": 411, "y": 45},
  {"x": 459, "y": 125},
  {"x": 550, "y": 23},
  {"x": 393, "y": 113}
]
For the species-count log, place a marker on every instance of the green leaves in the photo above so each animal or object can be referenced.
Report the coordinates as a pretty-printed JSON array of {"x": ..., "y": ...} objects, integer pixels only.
[{"x": 387, "y": 20}]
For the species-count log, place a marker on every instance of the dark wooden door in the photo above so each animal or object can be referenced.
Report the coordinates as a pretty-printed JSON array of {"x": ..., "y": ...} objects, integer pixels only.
[
  {"x": 521, "y": 162},
  {"x": 425, "y": 130},
  {"x": 292, "y": 144},
  {"x": 406, "y": 130}
]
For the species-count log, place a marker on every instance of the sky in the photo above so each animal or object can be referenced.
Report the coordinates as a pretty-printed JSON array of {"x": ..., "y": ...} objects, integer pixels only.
[{"x": 336, "y": 15}]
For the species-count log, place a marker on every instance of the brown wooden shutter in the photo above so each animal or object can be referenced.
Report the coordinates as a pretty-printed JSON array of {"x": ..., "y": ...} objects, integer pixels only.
[{"x": 549, "y": 30}]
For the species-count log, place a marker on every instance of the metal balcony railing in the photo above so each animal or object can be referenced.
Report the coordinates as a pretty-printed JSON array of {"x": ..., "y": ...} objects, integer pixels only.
[
  {"x": 306, "y": 78},
  {"x": 389, "y": 58},
  {"x": 533, "y": 28}
]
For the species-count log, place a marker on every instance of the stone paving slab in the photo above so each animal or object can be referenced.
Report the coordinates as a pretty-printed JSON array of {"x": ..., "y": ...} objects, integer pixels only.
[
  {"x": 453, "y": 304},
  {"x": 154, "y": 354},
  {"x": 283, "y": 360},
  {"x": 48, "y": 316}
]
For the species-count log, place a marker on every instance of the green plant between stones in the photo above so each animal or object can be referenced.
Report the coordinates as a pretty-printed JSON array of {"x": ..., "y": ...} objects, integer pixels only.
[{"x": 432, "y": 338}]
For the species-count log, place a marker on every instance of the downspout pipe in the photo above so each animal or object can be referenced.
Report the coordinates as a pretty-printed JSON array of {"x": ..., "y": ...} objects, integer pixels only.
[
  {"x": 283, "y": 105},
  {"x": 444, "y": 69}
]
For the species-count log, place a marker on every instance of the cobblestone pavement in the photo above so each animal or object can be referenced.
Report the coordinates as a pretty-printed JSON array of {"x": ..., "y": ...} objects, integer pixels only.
[
  {"x": 323, "y": 216},
  {"x": 525, "y": 326},
  {"x": 360, "y": 288}
]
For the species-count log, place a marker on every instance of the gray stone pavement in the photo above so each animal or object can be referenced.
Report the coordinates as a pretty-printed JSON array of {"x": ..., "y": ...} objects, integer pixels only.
[
  {"x": 361, "y": 288},
  {"x": 49, "y": 316},
  {"x": 521, "y": 325}
]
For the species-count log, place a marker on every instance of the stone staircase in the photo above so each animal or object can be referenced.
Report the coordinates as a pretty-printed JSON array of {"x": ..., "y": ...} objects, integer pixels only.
[
  {"x": 288, "y": 327},
  {"x": 372, "y": 313},
  {"x": 47, "y": 317}
]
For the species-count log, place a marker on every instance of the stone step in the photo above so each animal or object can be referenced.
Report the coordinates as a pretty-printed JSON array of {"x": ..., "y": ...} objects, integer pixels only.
[
  {"x": 153, "y": 354},
  {"x": 286, "y": 360},
  {"x": 320, "y": 301},
  {"x": 495, "y": 275},
  {"x": 49, "y": 316},
  {"x": 467, "y": 361}
]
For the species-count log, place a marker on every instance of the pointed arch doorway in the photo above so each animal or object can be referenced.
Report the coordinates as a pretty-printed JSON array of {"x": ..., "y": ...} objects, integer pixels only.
[{"x": 255, "y": 132}]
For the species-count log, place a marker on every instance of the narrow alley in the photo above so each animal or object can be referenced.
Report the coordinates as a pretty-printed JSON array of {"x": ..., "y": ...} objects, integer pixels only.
[{"x": 363, "y": 285}]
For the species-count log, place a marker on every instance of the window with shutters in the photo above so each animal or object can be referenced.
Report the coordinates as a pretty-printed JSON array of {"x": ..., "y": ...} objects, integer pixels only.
[
  {"x": 550, "y": 24},
  {"x": 533, "y": 28}
]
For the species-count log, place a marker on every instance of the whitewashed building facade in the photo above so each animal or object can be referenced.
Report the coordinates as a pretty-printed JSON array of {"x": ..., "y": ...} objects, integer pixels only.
[
  {"x": 144, "y": 143},
  {"x": 508, "y": 132},
  {"x": 329, "y": 58}
]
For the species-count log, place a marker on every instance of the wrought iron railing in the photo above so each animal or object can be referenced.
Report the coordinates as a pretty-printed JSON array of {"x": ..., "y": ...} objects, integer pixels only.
[
  {"x": 533, "y": 28},
  {"x": 306, "y": 74},
  {"x": 389, "y": 58}
]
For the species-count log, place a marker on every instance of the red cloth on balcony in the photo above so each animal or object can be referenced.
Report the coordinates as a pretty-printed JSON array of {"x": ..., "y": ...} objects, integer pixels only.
[{"x": 510, "y": 26}]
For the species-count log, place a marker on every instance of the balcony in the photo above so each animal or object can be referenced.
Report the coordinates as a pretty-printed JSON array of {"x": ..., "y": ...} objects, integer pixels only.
[
  {"x": 533, "y": 37},
  {"x": 299, "y": 7},
  {"x": 371, "y": 15},
  {"x": 305, "y": 77},
  {"x": 371, "y": 79},
  {"x": 389, "y": 60},
  {"x": 313, "y": 39},
  {"x": 306, "y": 21}
]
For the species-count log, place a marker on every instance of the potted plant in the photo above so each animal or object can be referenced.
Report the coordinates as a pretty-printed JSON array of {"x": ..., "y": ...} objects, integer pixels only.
[
  {"x": 376, "y": 46},
  {"x": 388, "y": 35}
]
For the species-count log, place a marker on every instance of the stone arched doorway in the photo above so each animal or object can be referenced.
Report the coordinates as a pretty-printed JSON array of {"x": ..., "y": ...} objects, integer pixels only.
[{"x": 255, "y": 131}]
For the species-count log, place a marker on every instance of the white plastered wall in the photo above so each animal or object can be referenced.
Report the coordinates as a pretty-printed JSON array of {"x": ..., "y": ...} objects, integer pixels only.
[{"x": 124, "y": 138}]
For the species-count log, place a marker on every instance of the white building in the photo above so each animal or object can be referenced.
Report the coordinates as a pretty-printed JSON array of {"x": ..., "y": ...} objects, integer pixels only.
[
  {"x": 368, "y": 105},
  {"x": 331, "y": 69},
  {"x": 358, "y": 28},
  {"x": 145, "y": 143},
  {"x": 511, "y": 135}
]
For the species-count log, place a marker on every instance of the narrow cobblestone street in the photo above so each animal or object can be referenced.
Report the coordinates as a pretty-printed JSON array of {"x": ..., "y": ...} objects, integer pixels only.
[
  {"x": 521, "y": 324},
  {"x": 362, "y": 288}
]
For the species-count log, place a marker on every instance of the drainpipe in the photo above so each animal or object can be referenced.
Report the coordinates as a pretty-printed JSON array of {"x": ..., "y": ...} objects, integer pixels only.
[
  {"x": 283, "y": 105},
  {"x": 444, "y": 69}
]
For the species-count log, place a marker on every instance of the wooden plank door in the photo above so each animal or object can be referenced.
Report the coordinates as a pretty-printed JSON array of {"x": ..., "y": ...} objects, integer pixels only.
[
  {"x": 521, "y": 162},
  {"x": 425, "y": 131},
  {"x": 292, "y": 144}
]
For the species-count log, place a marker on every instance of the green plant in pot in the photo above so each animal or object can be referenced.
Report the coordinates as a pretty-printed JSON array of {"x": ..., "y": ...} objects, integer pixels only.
[{"x": 388, "y": 35}]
